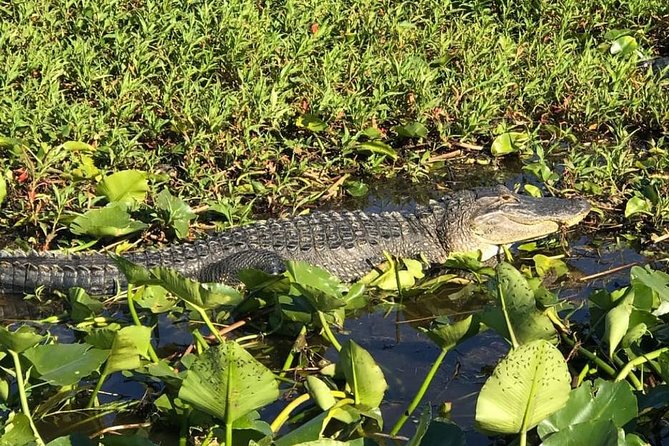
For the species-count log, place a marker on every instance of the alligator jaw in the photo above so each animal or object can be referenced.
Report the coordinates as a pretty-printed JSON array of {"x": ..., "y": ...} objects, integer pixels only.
[{"x": 505, "y": 217}]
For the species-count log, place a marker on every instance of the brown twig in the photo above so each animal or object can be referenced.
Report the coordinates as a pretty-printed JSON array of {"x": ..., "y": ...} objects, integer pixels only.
[
  {"x": 119, "y": 427},
  {"x": 607, "y": 272}
]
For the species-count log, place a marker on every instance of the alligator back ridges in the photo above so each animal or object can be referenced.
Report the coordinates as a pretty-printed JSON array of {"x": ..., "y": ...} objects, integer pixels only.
[{"x": 345, "y": 243}]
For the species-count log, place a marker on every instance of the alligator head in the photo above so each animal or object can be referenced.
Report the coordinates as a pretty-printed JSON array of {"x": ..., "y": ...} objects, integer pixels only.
[{"x": 483, "y": 219}]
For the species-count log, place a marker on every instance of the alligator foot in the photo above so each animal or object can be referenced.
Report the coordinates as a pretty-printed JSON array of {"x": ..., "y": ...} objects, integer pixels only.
[{"x": 227, "y": 270}]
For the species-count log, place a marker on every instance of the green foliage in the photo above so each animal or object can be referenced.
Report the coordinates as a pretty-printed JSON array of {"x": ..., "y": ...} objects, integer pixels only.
[
  {"x": 112, "y": 220},
  {"x": 363, "y": 375},
  {"x": 509, "y": 142},
  {"x": 126, "y": 186},
  {"x": 228, "y": 383},
  {"x": 65, "y": 364},
  {"x": 528, "y": 385}
]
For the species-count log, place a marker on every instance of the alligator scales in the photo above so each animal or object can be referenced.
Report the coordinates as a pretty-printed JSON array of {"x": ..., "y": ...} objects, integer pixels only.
[{"x": 347, "y": 244}]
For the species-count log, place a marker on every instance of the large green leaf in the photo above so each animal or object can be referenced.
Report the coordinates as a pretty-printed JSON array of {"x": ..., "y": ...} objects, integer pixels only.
[
  {"x": 65, "y": 364},
  {"x": 130, "y": 344},
  {"x": 617, "y": 322},
  {"x": 363, "y": 375},
  {"x": 657, "y": 281},
  {"x": 203, "y": 295},
  {"x": 312, "y": 276},
  {"x": 528, "y": 385},
  {"x": 175, "y": 212},
  {"x": 126, "y": 186},
  {"x": 517, "y": 309},
  {"x": 607, "y": 400},
  {"x": 112, "y": 220},
  {"x": 227, "y": 383},
  {"x": 17, "y": 431},
  {"x": 509, "y": 142},
  {"x": 592, "y": 433},
  {"x": 20, "y": 340},
  {"x": 449, "y": 334},
  {"x": 411, "y": 130},
  {"x": 377, "y": 148}
]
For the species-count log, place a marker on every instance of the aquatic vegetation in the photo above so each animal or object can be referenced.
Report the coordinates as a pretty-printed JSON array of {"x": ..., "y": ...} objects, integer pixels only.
[{"x": 560, "y": 379}]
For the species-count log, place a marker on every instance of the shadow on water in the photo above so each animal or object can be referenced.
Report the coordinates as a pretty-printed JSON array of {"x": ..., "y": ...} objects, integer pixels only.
[{"x": 404, "y": 354}]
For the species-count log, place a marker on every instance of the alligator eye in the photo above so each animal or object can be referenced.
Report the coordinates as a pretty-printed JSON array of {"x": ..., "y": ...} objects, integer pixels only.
[{"x": 508, "y": 197}]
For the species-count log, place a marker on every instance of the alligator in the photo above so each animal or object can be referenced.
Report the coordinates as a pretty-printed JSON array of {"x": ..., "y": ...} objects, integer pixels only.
[{"x": 347, "y": 244}]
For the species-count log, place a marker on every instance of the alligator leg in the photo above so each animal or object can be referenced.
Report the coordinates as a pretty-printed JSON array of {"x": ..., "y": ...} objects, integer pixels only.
[{"x": 227, "y": 270}]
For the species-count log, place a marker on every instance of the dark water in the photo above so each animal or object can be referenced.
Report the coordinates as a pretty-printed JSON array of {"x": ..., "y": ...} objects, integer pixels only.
[{"x": 404, "y": 354}]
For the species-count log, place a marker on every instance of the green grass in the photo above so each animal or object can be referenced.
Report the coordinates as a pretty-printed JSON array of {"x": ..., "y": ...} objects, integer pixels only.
[{"x": 205, "y": 95}]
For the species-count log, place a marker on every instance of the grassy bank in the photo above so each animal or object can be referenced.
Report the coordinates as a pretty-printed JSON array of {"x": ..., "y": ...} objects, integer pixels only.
[{"x": 269, "y": 104}]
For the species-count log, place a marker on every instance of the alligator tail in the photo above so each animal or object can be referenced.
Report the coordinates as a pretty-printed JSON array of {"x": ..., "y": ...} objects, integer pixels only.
[{"x": 23, "y": 272}]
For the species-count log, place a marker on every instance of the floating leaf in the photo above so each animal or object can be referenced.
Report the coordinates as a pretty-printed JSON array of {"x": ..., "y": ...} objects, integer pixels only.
[
  {"x": 126, "y": 186},
  {"x": 311, "y": 122},
  {"x": 411, "y": 130},
  {"x": 624, "y": 45},
  {"x": 227, "y": 383},
  {"x": 509, "y": 142},
  {"x": 65, "y": 364},
  {"x": 377, "y": 148},
  {"x": 112, "y": 220},
  {"x": 638, "y": 205},
  {"x": 363, "y": 375},
  {"x": 528, "y": 385}
]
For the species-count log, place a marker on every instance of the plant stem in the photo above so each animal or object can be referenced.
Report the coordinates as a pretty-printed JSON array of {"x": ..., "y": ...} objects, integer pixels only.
[
  {"x": 22, "y": 396},
  {"x": 93, "y": 402},
  {"x": 200, "y": 341},
  {"x": 523, "y": 438},
  {"x": 631, "y": 377},
  {"x": 502, "y": 299},
  {"x": 135, "y": 318},
  {"x": 183, "y": 430},
  {"x": 209, "y": 324},
  {"x": 638, "y": 361},
  {"x": 328, "y": 333},
  {"x": 228, "y": 434},
  {"x": 591, "y": 356},
  {"x": 420, "y": 394},
  {"x": 285, "y": 413}
]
